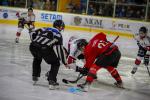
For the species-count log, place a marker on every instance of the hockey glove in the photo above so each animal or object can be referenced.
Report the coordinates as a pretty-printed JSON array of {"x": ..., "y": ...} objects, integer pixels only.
[
  {"x": 84, "y": 71},
  {"x": 148, "y": 48},
  {"x": 70, "y": 59}
]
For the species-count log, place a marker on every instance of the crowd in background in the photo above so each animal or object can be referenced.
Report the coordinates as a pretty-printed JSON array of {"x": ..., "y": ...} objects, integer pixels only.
[
  {"x": 133, "y": 9},
  {"x": 50, "y": 5}
]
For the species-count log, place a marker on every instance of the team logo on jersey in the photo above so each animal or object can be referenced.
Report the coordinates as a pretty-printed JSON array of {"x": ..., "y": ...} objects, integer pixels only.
[{"x": 77, "y": 20}]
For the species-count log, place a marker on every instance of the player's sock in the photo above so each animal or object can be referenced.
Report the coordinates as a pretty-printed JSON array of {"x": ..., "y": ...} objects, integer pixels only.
[
  {"x": 137, "y": 63},
  {"x": 114, "y": 73},
  {"x": 92, "y": 73}
]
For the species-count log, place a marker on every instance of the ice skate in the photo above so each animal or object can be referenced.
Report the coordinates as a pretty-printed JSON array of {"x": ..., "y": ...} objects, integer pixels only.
[
  {"x": 134, "y": 70},
  {"x": 53, "y": 85},
  {"x": 84, "y": 87},
  {"x": 35, "y": 79},
  {"x": 119, "y": 84},
  {"x": 17, "y": 40}
]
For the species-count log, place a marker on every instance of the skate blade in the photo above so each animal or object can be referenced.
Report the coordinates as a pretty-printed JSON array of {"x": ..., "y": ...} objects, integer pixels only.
[
  {"x": 34, "y": 83},
  {"x": 51, "y": 87}
]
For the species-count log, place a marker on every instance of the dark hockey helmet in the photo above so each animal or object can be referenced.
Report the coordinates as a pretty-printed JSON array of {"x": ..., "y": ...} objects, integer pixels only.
[
  {"x": 59, "y": 24},
  {"x": 143, "y": 29},
  {"x": 30, "y": 9},
  {"x": 81, "y": 43}
]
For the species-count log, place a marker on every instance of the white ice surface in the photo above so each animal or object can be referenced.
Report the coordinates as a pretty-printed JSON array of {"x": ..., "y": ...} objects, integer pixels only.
[{"x": 16, "y": 71}]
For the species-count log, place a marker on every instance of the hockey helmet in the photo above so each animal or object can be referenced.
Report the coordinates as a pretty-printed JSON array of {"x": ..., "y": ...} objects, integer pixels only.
[
  {"x": 81, "y": 43},
  {"x": 59, "y": 24},
  {"x": 143, "y": 29},
  {"x": 30, "y": 9}
]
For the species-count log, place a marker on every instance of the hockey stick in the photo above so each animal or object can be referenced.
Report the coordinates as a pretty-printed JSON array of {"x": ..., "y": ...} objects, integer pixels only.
[
  {"x": 74, "y": 81},
  {"x": 116, "y": 39},
  {"x": 148, "y": 70},
  {"x": 26, "y": 27}
]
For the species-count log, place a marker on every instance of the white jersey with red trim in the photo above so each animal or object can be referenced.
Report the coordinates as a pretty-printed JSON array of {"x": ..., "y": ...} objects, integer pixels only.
[
  {"x": 72, "y": 48},
  {"x": 28, "y": 17},
  {"x": 144, "y": 42}
]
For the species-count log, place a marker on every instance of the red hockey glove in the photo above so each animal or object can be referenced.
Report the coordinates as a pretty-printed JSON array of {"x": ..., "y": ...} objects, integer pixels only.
[
  {"x": 70, "y": 59},
  {"x": 148, "y": 48}
]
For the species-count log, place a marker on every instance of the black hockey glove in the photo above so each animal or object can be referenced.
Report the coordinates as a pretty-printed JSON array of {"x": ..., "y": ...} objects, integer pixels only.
[
  {"x": 84, "y": 71},
  {"x": 146, "y": 60}
]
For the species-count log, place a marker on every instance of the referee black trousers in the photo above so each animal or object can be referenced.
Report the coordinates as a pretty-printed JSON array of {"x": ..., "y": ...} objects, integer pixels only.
[{"x": 49, "y": 56}]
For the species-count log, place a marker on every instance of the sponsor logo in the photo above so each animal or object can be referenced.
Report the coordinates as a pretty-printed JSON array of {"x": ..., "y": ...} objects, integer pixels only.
[
  {"x": 120, "y": 26},
  {"x": 5, "y": 15},
  {"x": 97, "y": 23},
  {"x": 77, "y": 20},
  {"x": 123, "y": 26},
  {"x": 50, "y": 17}
]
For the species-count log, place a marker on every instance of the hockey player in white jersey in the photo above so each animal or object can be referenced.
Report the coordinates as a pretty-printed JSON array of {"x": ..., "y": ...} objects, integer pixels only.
[
  {"x": 25, "y": 18},
  {"x": 143, "y": 42},
  {"x": 73, "y": 50},
  {"x": 75, "y": 54}
]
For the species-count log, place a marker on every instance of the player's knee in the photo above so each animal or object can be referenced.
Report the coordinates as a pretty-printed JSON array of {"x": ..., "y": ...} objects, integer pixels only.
[
  {"x": 137, "y": 62},
  {"x": 94, "y": 68}
]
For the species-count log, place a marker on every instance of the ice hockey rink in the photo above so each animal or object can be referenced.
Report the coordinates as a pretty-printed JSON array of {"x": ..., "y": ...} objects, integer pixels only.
[{"x": 16, "y": 72}]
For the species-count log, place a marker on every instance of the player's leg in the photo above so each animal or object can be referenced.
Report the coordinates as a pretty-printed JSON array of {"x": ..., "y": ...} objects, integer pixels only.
[
  {"x": 51, "y": 58},
  {"x": 36, "y": 65},
  {"x": 114, "y": 73},
  {"x": 140, "y": 55},
  {"x": 115, "y": 56},
  {"x": 19, "y": 30}
]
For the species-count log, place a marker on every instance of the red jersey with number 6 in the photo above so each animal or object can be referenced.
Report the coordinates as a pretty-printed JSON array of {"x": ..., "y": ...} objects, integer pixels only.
[{"x": 97, "y": 46}]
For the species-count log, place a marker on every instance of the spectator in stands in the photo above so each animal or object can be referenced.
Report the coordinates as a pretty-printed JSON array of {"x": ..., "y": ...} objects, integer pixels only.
[
  {"x": 91, "y": 10},
  {"x": 77, "y": 9},
  {"x": 100, "y": 11},
  {"x": 138, "y": 14},
  {"x": 130, "y": 13},
  {"x": 70, "y": 6},
  {"x": 5, "y": 2},
  {"x": 122, "y": 12},
  {"x": 143, "y": 13},
  {"x": 47, "y": 5},
  {"x": 108, "y": 10},
  {"x": 54, "y": 5}
]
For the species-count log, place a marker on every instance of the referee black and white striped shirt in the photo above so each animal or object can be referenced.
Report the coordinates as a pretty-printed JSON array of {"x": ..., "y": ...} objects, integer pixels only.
[{"x": 50, "y": 37}]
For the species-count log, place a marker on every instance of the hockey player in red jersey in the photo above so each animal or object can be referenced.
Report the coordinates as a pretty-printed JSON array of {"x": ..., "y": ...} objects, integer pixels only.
[{"x": 100, "y": 53}]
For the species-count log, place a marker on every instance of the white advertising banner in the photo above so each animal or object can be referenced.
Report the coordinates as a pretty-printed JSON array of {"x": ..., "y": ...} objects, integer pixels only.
[{"x": 118, "y": 25}]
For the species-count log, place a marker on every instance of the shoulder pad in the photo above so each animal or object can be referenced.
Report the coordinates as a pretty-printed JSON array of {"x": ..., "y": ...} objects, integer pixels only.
[{"x": 53, "y": 30}]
